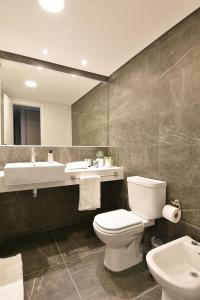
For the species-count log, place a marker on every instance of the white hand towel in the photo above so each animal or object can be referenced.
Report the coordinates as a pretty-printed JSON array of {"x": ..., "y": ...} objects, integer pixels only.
[
  {"x": 90, "y": 194},
  {"x": 77, "y": 165}
]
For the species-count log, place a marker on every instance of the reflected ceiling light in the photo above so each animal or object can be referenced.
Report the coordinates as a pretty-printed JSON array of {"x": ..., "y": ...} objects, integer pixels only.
[
  {"x": 45, "y": 52},
  {"x": 73, "y": 75},
  {"x": 52, "y": 6},
  {"x": 40, "y": 68},
  {"x": 30, "y": 83},
  {"x": 84, "y": 62}
]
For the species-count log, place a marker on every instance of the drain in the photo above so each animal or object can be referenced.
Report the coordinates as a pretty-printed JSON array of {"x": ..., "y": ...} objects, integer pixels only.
[
  {"x": 194, "y": 243},
  {"x": 194, "y": 274}
]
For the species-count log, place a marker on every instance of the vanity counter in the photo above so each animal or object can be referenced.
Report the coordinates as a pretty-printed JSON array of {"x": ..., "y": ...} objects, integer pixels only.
[{"x": 71, "y": 178}]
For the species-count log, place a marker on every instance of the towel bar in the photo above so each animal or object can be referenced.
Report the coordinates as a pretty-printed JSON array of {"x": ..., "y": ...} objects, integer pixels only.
[{"x": 115, "y": 174}]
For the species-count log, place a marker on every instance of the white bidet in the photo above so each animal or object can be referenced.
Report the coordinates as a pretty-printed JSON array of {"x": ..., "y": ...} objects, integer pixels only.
[{"x": 176, "y": 268}]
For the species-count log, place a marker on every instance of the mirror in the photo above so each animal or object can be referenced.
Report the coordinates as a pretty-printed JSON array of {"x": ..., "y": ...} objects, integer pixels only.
[{"x": 38, "y": 105}]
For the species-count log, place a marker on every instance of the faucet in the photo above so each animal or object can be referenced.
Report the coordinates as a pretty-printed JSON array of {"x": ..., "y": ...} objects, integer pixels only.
[{"x": 33, "y": 155}]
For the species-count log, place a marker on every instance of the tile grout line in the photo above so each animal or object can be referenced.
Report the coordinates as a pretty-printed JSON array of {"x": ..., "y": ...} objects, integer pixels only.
[
  {"x": 67, "y": 269},
  {"x": 146, "y": 292},
  {"x": 43, "y": 269}
]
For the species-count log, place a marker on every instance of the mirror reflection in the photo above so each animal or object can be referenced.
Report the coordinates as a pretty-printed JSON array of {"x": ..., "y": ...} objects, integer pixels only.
[{"x": 36, "y": 104}]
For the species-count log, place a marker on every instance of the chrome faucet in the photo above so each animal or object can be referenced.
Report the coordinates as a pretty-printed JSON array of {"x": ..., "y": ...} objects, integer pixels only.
[{"x": 33, "y": 155}]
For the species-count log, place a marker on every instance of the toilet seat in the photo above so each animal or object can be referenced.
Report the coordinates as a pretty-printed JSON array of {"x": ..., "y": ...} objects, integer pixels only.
[{"x": 118, "y": 221}]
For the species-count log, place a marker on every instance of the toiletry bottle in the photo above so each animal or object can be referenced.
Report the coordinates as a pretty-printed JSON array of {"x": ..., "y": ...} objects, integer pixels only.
[
  {"x": 50, "y": 156},
  {"x": 100, "y": 158}
]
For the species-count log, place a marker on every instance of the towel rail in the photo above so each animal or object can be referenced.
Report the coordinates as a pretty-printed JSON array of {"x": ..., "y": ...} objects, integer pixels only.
[{"x": 115, "y": 174}]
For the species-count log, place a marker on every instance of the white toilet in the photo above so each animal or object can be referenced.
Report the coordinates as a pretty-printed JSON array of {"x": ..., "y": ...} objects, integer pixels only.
[{"x": 121, "y": 230}]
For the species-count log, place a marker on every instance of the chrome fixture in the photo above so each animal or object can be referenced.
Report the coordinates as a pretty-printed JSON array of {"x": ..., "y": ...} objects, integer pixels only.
[
  {"x": 34, "y": 192},
  {"x": 176, "y": 203}
]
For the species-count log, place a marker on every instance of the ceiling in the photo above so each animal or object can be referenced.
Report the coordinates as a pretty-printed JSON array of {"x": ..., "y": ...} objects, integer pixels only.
[
  {"x": 52, "y": 86},
  {"x": 105, "y": 32}
]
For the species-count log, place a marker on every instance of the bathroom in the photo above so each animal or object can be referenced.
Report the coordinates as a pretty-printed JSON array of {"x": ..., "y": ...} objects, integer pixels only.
[{"x": 110, "y": 88}]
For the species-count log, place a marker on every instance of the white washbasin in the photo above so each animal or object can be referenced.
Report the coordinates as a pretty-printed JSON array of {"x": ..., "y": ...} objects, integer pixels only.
[
  {"x": 176, "y": 267},
  {"x": 11, "y": 278},
  {"x": 28, "y": 173}
]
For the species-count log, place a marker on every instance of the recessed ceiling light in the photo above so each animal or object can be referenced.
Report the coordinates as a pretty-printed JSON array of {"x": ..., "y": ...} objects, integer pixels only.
[
  {"x": 40, "y": 68},
  {"x": 45, "y": 51},
  {"x": 30, "y": 83},
  {"x": 73, "y": 75},
  {"x": 84, "y": 62},
  {"x": 52, "y": 6}
]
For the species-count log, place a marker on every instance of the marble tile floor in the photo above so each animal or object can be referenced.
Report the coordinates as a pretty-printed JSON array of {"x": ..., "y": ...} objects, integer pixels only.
[{"x": 68, "y": 264}]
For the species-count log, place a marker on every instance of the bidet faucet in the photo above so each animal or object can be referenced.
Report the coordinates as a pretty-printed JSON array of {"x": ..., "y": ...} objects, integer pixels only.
[{"x": 33, "y": 155}]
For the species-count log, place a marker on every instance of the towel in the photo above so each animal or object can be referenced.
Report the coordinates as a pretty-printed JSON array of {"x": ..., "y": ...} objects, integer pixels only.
[
  {"x": 77, "y": 165},
  {"x": 11, "y": 278},
  {"x": 90, "y": 195}
]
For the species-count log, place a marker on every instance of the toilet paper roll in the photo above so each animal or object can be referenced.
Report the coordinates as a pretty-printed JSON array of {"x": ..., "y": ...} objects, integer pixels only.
[{"x": 171, "y": 213}]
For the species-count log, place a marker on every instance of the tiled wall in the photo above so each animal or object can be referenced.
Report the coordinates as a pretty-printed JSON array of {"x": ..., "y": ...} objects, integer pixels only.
[
  {"x": 154, "y": 107},
  {"x": 90, "y": 118},
  {"x": 61, "y": 154},
  {"x": 20, "y": 214}
]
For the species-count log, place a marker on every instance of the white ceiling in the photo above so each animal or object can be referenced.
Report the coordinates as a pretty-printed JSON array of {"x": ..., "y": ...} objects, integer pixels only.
[
  {"x": 105, "y": 32},
  {"x": 52, "y": 86}
]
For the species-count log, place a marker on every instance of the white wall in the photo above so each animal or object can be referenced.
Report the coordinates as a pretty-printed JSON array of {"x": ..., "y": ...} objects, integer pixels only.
[
  {"x": 8, "y": 120},
  {"x": 55, "y": 121},
  {"x": 57, "y": 124}
]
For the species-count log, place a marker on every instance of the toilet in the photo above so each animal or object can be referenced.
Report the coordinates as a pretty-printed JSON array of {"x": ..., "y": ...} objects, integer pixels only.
[{"x": 121, "y": 230}]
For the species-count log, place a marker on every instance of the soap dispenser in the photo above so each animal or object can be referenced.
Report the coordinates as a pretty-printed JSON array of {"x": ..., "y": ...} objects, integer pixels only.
[{"x": 50, "y": 156}]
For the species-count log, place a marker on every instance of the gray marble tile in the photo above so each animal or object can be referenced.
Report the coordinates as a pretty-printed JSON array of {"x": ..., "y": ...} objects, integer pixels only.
[
  {"x": 66, "y": 154},
  {"x": 90, "y": 152},
  {"x": 52, "y": 284},
  {"x": 132, "y": 282},
  {"x": 178, "y": 162},
  {"x": 38, "y": 252},
  {"x": 100, "y": 281},
  {"x": 154, "y": 294},
  {"x": 90, "y": 118},
  {"x": 141, "y": 161},
  {"x": 91, "y": 278},
  {"x": 77, "y": 243}
]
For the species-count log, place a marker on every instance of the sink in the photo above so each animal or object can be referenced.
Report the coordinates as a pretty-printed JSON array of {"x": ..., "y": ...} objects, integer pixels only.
[
  {"x": 29, "y": 173},
  {"x": 176, "y": 268}
]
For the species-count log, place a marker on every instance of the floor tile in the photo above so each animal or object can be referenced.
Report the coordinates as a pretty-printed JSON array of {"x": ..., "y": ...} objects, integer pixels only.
[
  {"x": 52, "y": 284},
  {"x": 94, "y": 281},
  {"x": 46, "y": 276},
  {"x": 132, "y": 282},
  {"x": 38, "y": 252},
  {"x": 78, "y": 243},
  {"x": 154, "y": 294}
]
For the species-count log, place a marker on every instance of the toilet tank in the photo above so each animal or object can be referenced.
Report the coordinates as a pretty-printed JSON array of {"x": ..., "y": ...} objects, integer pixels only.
[{"x": 147, "y": 197}]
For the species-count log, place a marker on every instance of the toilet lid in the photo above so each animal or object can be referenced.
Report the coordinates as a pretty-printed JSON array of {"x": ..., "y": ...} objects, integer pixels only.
[{"x": 117, "y": 219}]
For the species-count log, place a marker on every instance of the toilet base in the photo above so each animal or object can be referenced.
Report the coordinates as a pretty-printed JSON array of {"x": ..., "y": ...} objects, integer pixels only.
[{"x": 119, "y": 259}]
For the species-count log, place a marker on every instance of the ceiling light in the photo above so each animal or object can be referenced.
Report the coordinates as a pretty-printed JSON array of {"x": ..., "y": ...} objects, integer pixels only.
[
  {"x": 30, "y": 83},
  {"x": 52, "y": 6},
  {"x": 45, "y": 51},
  {"x": 40, "y": 68},
  {"x": 84, "y": 62},
  {"x": 73, "y": 75}
]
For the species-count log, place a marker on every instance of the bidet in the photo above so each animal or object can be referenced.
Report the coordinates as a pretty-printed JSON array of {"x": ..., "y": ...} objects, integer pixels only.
[{"x": 176, "y": 268}]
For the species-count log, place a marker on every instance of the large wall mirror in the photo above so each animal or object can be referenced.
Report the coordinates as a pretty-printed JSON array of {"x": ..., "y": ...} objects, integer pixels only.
[{"x": 40, "y": 106}]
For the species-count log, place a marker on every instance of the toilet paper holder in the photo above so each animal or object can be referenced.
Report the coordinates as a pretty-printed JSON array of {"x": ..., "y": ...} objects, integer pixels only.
[{"x": 176, "y": 203}]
